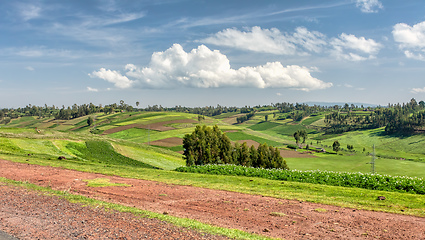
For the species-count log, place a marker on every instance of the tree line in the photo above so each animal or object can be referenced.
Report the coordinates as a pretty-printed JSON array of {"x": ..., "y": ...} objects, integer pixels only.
[
  {"x": 206, "y": 145},
  {"x": 397, "y": 119}
]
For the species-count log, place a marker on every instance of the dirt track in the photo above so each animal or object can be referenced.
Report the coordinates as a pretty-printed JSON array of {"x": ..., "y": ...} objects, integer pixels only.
[{"x": 263, "y": 215}]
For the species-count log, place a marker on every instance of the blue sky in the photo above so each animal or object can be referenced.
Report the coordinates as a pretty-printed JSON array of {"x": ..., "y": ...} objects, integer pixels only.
[{"x": 198, "y": 53}]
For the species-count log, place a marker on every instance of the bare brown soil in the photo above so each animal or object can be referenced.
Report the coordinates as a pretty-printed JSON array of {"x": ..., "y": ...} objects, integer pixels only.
[
  {"x": 268, "y": 216},
  {"x": 230, "y": 131},
  {"x": 250, "y": 143},
  {"x": 27, "y": 214},
  {"x": 168, "y": 142},
  {"x": 232, "y": 119},
  {"x": 295, "y": 154}
]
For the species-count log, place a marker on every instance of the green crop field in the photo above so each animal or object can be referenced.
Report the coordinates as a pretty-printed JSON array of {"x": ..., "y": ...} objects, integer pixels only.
[
  {"x": 237, "y": 136},
  {"x": 264, "y": 126},
  {"x": 311, "y": 120}
]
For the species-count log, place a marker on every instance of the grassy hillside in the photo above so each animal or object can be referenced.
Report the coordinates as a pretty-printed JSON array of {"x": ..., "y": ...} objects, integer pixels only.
[
  {"x": 122, "y": 144},
  {"x": 140, "y": 135}
]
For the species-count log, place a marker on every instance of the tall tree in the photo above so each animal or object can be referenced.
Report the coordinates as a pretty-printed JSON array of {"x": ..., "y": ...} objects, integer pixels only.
[
  {"x": 90, "y": 121},
  {"x": 335, "y": 146},
  {"x": 297, "y": 137}
]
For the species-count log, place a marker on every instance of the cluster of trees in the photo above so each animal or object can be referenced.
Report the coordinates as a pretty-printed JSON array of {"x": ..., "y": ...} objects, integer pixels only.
[
  {"x": 300, "y": 134},
  {"x": 335, "y": 146},
  {"x": 76, "y": 111},
  {"x": 205, "y": 111},
  {"x": 401, "y": 119},
  {"x": 206, "y": 145},
  {"x": 245, "y": 118}
]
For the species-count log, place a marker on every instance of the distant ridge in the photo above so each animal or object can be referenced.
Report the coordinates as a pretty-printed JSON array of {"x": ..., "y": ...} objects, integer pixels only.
[{"x": 330, "y": 104}]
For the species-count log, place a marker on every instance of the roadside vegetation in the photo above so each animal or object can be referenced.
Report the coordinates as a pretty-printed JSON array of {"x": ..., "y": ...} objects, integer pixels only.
[{"x": 343, "y": 179}]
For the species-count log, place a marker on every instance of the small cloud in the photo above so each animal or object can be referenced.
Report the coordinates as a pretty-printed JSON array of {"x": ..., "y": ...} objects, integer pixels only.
[
  {"x": 205, "y": 68},
  {"x": 416, "y": 56},
  {"x": 411, "y": 39},
  {"x": 369, "y": 6},
  {"x": 279, "y": 94},
  {"x": 352, "y": 48},
  {"x": 29, "y": 68},
  {"x": 113, "y": 77},
  {"x": 360, "y": 89},
  {"x": 418, "y": 90},
  {"x": 92, "y": 89},
  {"x": 348, "y": 85}
]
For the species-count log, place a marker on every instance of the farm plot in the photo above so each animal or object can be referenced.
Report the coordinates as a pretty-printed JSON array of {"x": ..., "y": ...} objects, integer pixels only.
[
  {"x": 168, "y": 142},
  {"x": 249, "y": 143},
  {"x": 162, "y": 126},
  {"x": 121, "y": 128},
  {"x": 158, "y": 126}
]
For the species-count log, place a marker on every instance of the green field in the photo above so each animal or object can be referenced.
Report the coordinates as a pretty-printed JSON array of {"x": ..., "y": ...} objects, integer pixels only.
[{"x": 127, "y": 153}]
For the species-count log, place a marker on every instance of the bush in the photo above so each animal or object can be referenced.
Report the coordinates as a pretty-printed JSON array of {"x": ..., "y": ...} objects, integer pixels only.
[{"x": 292, "y": 146}]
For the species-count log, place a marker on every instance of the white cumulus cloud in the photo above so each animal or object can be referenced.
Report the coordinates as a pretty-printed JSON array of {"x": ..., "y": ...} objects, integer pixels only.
[
  {"x": 369, "y": 6},
  {"x": 352, "y": 48},
  {"x": 205, "y": 68},
  {"x": 411, "y": 39}
]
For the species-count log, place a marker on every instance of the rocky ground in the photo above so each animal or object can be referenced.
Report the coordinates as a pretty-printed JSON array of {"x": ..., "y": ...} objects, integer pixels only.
[{"x": 31, "y": 215}]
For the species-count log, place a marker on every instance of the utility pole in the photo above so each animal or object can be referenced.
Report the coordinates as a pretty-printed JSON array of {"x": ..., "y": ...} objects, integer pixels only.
[{"x": 372, "y": 163}]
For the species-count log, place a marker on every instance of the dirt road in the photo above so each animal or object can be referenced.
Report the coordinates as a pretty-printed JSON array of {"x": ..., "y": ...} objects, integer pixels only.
[{"x": 280, "y": 218}]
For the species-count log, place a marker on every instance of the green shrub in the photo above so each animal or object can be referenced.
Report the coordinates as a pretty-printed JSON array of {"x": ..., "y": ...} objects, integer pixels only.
[{"x": 292, "y": 146}]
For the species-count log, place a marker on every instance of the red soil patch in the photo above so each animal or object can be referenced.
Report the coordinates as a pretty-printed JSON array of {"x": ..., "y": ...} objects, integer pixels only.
[
  {"x": 168, "y": 142},
  {"x": 27, "y": 214},
  {"x": 268, "y": 216},
  {"x": 230, "y": 131},
  {"x": 250, "y": 143},
  {"x": 295, "y": 154}
]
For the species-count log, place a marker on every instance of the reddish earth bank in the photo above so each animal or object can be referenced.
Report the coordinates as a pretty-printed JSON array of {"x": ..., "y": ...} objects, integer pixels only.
[{"x": 28, "y": 215}]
